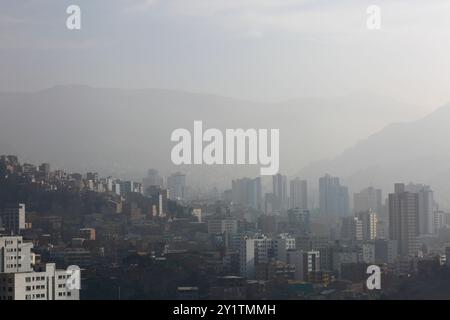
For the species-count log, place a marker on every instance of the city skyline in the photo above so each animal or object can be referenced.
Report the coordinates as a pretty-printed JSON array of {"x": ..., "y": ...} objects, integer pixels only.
[{"x": 244, "y": 151}]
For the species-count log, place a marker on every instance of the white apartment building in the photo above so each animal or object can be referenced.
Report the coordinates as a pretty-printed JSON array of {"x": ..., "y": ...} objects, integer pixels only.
[
  {"x": 50, "y": 284},
  {"x": 261, "y": 250},
  {"x": 18, "y": 280},
  {"x": 15, "y": 255}
]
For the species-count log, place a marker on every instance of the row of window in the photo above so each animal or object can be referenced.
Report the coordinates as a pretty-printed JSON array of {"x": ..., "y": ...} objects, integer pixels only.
[
  {"x": 38, "y": 287},
  {"x": 8, "y": 242},
  {"x": 64, "y": 294},
  {"x": 35, "y": 296},
  {"x": 29, "y": 279},
  {"x": 14, "y": 258}
]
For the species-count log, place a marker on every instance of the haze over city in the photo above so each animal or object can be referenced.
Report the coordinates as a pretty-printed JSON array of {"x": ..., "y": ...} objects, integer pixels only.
[{"x": 88, "y": 177}]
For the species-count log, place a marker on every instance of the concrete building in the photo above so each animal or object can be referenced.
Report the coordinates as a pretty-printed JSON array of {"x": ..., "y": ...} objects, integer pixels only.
[
  {"x": 369, "y": 222},
  {"x": 153, "y": 179},
  {"x": 222, "y": 225},
  {"x": 176, "y": 183},
  {"x": 298, "y": 192},
  {"x": 352, "y": 229},
  {"x": 333, "y": 197},
  {"x": 368, "y": 199},
  {"x": 15, "y": 255},
  {"x": 18, "y": 280},
  {"x": 13, "y": 219},
  {"x": 262, "y": 250},
  {"x": 403, "y": 220},
  {"x": 367, "y": 253},
  {"x": 386, "y": 251},
  {"x": 247, "y": 192},
  {"x": 299, "y": 220},
  {"x": 426, "y": 222},
  {"x": 279, "y": 187},
  {"x": 48, "y": 284},
  {"x": 304, "y": 262},
  {"x": 247, "y": 258}
]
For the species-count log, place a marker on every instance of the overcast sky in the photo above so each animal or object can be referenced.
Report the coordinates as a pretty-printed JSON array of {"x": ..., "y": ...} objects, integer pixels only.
[{"x": 254, "y": 49}]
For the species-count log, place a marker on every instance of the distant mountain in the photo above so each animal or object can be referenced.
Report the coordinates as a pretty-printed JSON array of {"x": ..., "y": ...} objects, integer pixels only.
[
  {"x": 125, "y": 132},
  {"x": 417, "y": 151}
]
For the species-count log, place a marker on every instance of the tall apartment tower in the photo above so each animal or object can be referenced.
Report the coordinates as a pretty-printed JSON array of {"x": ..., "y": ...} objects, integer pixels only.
[
  {"x": 403, "y": 220},
  {"x": 368, "y": 199},
  {"x": 153, "y": 179},
  {"x": 369, "y": 221},
  {"x": 176, "y": 183},
  {"x": 333, "y": 197},
  {"x": 298, "y": 194},
  {"x": 247, "y": 192},
  {"x": 352, "y": 229},
  {"x": 279, "y": 183},
  {"x": 426, "y": 210}
]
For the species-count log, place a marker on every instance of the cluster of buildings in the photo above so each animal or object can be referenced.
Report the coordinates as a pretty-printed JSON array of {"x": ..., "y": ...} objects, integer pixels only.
[
  {"x": 245, "y": 244},
  {"x": 23, "y": 278}
]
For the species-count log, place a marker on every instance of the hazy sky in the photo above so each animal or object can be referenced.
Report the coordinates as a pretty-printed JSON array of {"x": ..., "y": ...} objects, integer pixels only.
[{"x": 256, "y": 49}]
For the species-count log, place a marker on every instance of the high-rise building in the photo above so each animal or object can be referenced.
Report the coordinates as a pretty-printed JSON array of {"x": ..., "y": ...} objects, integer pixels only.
[
  {"x": 279, "y": 185},
  {"x": 13, "y": 219},
  {"x": 369, "y": 222},
  {"x": 299, "y": 220},
  {"x": 247, "y": 192},
  {"x": 426, "y": 210},
  {"x": 368, "y": 199},
  {"x": 298, "y": 194},
  {"x": 333, "y": 197},
  {"x": 352, "y": 229},
  {"x": 176, "y": 183},
  {"x": 386, "y": 251},
  {"x": 403, "y": 220},
  {"x": 270, "y": 204},
  {"x": 247, "y": 258},
  {"x": 153, "y": 179}
]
